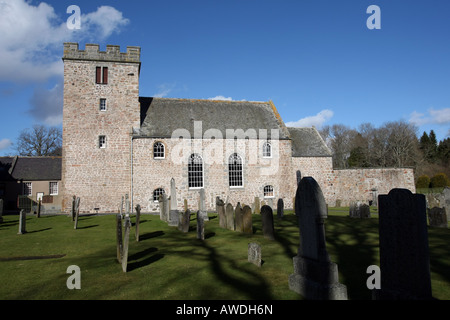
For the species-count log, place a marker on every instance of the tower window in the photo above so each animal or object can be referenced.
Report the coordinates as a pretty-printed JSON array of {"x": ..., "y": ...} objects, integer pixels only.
[
  {"x": 101, "y": 75},
  {"x": 102, "y": 142},
  {"x": 156, "y": 194},
  {"x": 267, "y": 150},
  {"x": 102, "y": 104},
  {"x": 268, "y": 192}
]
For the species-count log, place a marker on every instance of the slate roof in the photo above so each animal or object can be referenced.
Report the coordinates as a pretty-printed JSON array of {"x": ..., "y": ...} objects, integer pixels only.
[
  {"x": 160, "y": 117},
  {"x": 30, "y": 168},
  {"x": 307, "y": 142}
]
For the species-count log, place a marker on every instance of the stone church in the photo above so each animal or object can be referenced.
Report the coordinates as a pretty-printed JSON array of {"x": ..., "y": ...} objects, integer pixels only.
[{"x": 116, "y": 142}]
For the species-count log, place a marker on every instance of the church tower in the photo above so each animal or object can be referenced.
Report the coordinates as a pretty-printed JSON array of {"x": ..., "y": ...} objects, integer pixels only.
[{"x": 101, "y": 108}]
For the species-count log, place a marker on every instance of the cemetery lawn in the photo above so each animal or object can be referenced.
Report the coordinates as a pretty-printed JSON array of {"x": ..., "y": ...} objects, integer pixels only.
[{"x": 167, "y": 264}]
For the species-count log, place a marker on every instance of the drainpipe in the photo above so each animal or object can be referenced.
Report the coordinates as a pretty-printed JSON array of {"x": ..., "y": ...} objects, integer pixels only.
[{"x": 131, "y": 196}]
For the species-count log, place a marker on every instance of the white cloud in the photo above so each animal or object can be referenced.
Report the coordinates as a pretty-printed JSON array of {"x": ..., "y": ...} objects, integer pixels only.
[
  {"x": 31, "y": 38},
  {"x": 318, "y": 120},
  {"x": 221, "y": 98},
  {"x": 439, "y": 117},
  {"x": 5, "y": 144},
  {"x": 164, "y": 89}
]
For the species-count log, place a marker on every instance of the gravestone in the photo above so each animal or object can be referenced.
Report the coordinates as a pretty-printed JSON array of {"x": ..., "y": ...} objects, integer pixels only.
[
  {"x": 238, "y": 218},
  {"x": 299, "y": 177},
  {"x": 446, "y": 197},
  {"x": 39, "y": 208},
  {"x": 77, "y": 212},
  {"x": 229, "y": 213},
  {"x": 22, "y": 222},
  {"x": 257, "y": 209},
  {"x": 127, "y": 205},
  {"x": 138, "y": 219},
  {"x": 247, "y": 220},
  {"x": 73, "y": 208},
  {"x": 280, "y": 208},
  {"x": 202, "y": 205},
  {"x": 200, "y": 227},
  {"x": 437, "y": 217},
  {"x": 184, "y": 221},
  {"x": 254, "y": 254},
  {"x": 315, "y": 277},
  {"x": 404, "y": 253},
  {"x": 1, "y": 210},
  {"x": 163, "y": 207},
  {"x": 126, "y": 241},
  {"x": 267, "y": 222},
  {"x": 119, "y": 243},
  {"x": 220, "y": 208},
  {"x": 185, "y": 205},
  {"x": 359, "y": 210},
  {"x": 173, "y": 212}
]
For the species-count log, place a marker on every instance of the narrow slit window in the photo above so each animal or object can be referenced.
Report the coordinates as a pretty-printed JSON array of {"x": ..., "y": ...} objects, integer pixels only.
[
  {"x": 102, "y": 142},
  {"x": 267, "y": 150},
  {"x": 101, "y": 75},
  {"x": 235, "y": 171},
  {"x": 102, "y": 104}
]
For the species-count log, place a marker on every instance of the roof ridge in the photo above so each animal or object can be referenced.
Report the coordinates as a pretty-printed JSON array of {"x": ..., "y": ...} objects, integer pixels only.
[{"x": 211, "y": 100}]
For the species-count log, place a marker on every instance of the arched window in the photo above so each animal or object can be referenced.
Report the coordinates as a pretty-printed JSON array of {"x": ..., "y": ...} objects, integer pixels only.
[
  {"x": 235, "y": 171},
  {"x": 267, "y": 150},
  {"x": 195, "y": 171},
  {"x": 156, "y": 194},
  {"x": 158, "y": 151},
  {"x": 268, "y": 192}
]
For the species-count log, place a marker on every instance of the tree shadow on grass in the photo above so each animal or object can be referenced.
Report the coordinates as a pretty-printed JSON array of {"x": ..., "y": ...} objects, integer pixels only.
[
  {"x": 143, "y": 258},
  {"x": 150, "y": 235}
]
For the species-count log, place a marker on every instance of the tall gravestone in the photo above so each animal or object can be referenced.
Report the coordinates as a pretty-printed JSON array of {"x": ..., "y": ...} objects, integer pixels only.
[
  {"x": 298, "y": 176},
  {"x": 127, "y": 205},
  {"x": 280, "y": 208},
  {"x": 257, "y": 206},
  {"x": 220, "y": 208},
  {"x": 229, "y": 213},
  {"x": 77, "y": 211},
  {"x": 267, "y": 222},
  {"x": 247, "y": 220},
  {"x": 404, "y": 253},
  {"x": 22, "y": 222},
  {"x": 173, "y": 213},
  {"x": 119, "y": 243},
  {"x": 138, "y": 220},
  {"x": 315, "y": 277},
  {"x": 126, "y": 241},
  {"x": 238, "y": 218},
  {"x": 185, "y": 219},
  {"x": 73, "y": 208},
  {"x": 200, "y": 227},
  {"x": 202, "y": 205}
]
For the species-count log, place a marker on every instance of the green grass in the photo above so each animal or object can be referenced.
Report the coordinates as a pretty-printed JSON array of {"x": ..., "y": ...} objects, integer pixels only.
[{"x": 169, "y": 264}]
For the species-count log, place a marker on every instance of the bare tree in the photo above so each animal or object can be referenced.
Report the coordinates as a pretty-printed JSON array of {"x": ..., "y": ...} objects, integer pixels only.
[{"x": 39, "y": 141}]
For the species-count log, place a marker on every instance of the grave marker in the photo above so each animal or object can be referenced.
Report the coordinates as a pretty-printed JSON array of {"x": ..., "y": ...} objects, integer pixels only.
[
  {"x": 173, "y": 212},
  {"x": 254, "y": 254},
  {"x": 200, "y": 227},
  {"x": 315, "y": 276},
  {"x": 119, "y": 243},
  {"x": 404, "y": 253},
  {"x": 184, "y": 221},
  {"x": 247, "y": 220},
  {"x": 238, "y": 218},
  {"x": 437, "y": 217},
  {"x": 138, "y": 219},
  {"x": 267, "y": 222},
  {"x": 22, "y": 222},
  {"x": 280, "y": 208},
  {"x": 229, "y": 213},
  {"x": 126, "y": 241},
  {"x": 77, "y": 212},
  {"x": 220, "y": 208}
]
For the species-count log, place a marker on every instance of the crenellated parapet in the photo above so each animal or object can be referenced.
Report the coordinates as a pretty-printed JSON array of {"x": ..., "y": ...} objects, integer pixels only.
[{"x": 92, "y": 53}]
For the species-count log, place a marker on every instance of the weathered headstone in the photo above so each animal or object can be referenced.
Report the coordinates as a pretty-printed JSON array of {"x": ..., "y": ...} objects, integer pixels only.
[
  {"x": 280, "y": 208},
  {"x": 229, "y": 213},
  {"x": 315, "y": 277},
  {"x": 257, "y": 203},
  {"x": 238, "y": 218},
  {"x": 374, "y": 197},
  {"x": 77, "y": 211},
  {"x": 254, "y": 253},
  {"x": 73, "y": 208},
  {"x": 127, "y": 205},
  {"x": 267, "y": 222},
  {"x": 119, "y": 243},
  {"x": 22, "y": 222},
  {"x": 437, "y": 217},
  {"x": 299, "y": 177},
  {"x": 38, "y": 209},
  {"x": 184, "y": 221},
  {"x": 173, "y": 212},
  {"x": 247, "y": 220},
  {"x": 138, "y": 220},
  {"x": 185, "y": 204},
  {"x": 202, "y": 205},
  {"x": 359, "y": 210},
  {"x": 404, "y": 253},
  {"x": 126, "y": 241},
  {"x": 163, "y": 207},
  {"x": 200, "y": 227},
  {"x": 220, "y": 208}
]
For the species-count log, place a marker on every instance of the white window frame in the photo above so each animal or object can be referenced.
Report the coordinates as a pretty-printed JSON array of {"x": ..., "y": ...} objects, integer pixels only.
[
  {"x": 196, "y": 183},
  {"x": 269, "y": 189},
  {"x": 235, "y": 174},
  {"x": 102, "y": 144},
  {"x": 267, "y": 150},
  {"x": 103, "y": 107},
  {"x": 51, "y": 190},
  {"x": 160, "y": 148},
  {"x": 27, "y": 186}
]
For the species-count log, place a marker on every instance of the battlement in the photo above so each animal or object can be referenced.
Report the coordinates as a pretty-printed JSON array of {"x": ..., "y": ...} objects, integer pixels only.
[{"x": 92, "y": 53}]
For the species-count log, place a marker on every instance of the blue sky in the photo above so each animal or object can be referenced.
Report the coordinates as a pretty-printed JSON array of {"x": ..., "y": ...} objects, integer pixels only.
[{"x": 315, "y": 59}]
